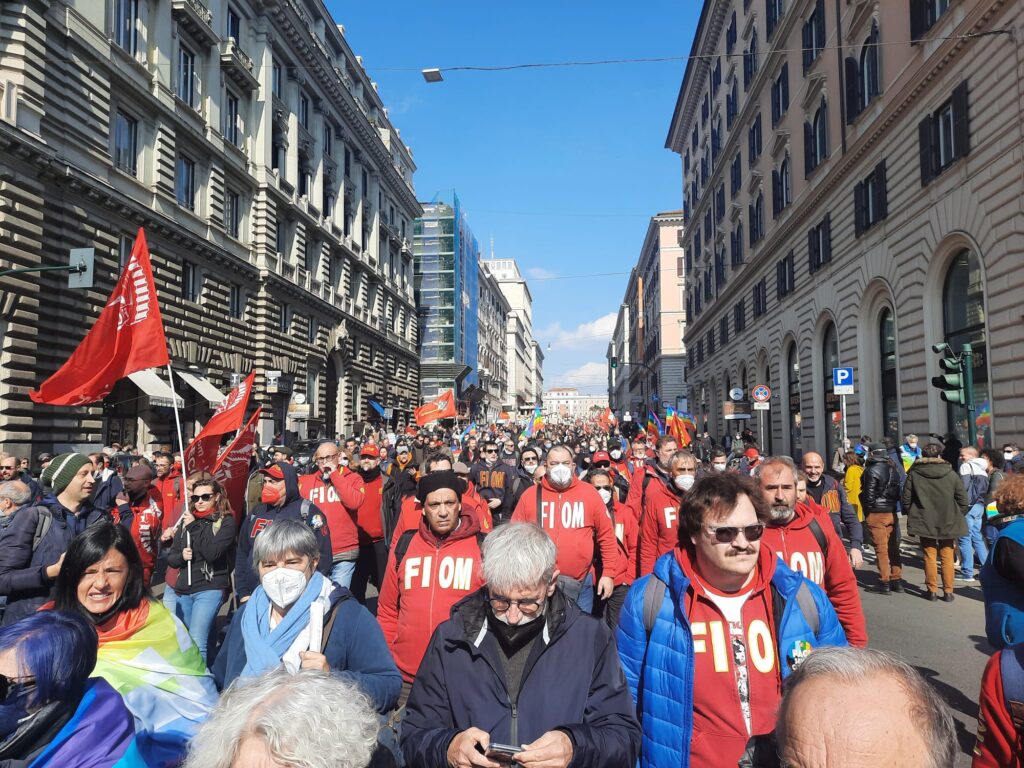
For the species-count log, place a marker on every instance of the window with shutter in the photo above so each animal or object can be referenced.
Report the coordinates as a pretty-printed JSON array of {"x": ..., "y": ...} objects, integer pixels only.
[
  {"x": 776, "y": 194},
  {"x": 881, "y": 208},
  {"x": 808, "y": 149},
  {"x": 858, "y": 208},
  {"x": 851, "y": 72},
  {"x": 961, "y": 121}
]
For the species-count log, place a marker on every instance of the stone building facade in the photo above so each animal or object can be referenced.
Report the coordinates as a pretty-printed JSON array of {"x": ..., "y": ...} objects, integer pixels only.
[
  {"x": 276, "y": 196},
  {"x": 853, "y": 195}
]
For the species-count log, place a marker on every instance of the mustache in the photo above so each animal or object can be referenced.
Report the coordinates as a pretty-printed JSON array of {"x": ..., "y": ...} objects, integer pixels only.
[{"x": 738, "y": 552}]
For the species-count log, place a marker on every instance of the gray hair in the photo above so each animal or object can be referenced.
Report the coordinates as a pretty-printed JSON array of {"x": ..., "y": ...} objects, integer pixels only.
[
  {"x": 518, "y": 556},
  {"x": 775, "y": 461},
  {"x": 16, "y": 491},
  {"x": 681, "y": 454},
  {"x": 283, "y": 538},
  {"x": 307, "y": 720},
  {"x": 927, "y": 709}
]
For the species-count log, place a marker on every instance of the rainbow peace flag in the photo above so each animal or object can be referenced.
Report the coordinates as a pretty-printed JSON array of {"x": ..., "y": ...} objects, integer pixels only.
[
  {"x": 983, "y": 418},
  {"x": 654, "y": 426},
  {"x": 154, "y": 665},
  {"x": 676, "y": 426},
  {"x": 536, "y": 422}
]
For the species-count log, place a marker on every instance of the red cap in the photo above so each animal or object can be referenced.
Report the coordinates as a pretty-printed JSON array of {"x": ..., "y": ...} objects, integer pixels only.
[
  {"x": 600, "y": 456},
  {"x": 751, "y": 453},
  {"x": 370, "y": 451},
  {"x": 273, "y": 471}
]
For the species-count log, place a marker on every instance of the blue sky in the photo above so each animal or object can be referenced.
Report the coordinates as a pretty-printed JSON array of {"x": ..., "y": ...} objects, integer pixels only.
[{"x": 563, "y": 167}]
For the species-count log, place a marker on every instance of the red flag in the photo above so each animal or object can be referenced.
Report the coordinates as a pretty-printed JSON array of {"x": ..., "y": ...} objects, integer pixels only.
[
  {"x": 201, "y": 453},
  {"x": 127, "y": 337},
  {"x": 232, "y": 469},
  {"x": 442, "y": 408}
]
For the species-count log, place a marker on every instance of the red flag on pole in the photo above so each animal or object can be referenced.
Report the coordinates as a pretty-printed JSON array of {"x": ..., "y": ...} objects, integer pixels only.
[
  {"x": 441, "y": 408},
  {"x": 232, "y": 468},
  {"x": 127, "y": 337},
  {"x": 201, "y": 453}
]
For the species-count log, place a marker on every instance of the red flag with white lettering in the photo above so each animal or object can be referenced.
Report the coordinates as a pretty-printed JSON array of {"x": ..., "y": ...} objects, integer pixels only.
[
  {"x": 441, "y": 408},
  {"x": 127, "y": 337},
  {"x": 201, "y": 453},
  {"x": 232, "y": 468}
]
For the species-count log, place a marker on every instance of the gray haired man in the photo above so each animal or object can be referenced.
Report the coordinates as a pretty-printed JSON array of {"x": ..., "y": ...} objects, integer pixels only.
[{"x": 509, "y": 674}]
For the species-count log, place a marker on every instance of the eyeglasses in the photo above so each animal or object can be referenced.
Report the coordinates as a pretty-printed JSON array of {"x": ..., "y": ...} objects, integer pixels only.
[
  {"x": 527, "y": 606},
  {"x": 726, "y": 534},
  {"x": 331, "y": 457},
  {"x": 6, "y": 683},
  {"x": 201, "y": 497},
  {"x": 491, "y": 450}
]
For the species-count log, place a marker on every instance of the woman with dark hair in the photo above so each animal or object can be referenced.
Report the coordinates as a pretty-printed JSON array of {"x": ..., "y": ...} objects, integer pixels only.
[
  {"x": 202, "y": 552},
  {"x": 51, "y": 712},
  {"x": 144, "y": 652}
]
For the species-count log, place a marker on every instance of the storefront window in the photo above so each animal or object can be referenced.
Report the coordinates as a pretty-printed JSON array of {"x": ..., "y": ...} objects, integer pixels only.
[
  {"x": 887, "y": 367},
  {"x": 833, "y": 407},
  {"x": 795, "y": 418},
  {"x": 963, "y": 316}
]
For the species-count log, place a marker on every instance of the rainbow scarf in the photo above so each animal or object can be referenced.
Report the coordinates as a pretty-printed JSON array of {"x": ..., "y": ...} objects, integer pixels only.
[
  {"x": 100, "y": 734},
  {"x": 149, "y": 658}
]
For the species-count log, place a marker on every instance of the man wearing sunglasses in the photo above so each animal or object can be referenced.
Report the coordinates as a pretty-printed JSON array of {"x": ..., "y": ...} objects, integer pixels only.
[
  {"x": 806, "y": 541},
  {"x": 720, "y": 624},
  {"x": 493, "y": 480},
  {"x": 138, "y": 507}
]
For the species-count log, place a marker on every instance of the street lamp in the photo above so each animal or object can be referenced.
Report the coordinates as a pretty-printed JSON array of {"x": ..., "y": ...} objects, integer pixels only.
[{"x": 432, "y": 75}]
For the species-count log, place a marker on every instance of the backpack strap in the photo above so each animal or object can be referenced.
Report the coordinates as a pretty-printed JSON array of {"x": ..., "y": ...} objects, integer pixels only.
[
  {"x": 540, "y": 517},
  {"x": 329, "y": 625},
  {"x": 402, "y": 545},
  {"x": 1011, "y": 669},
  {"x": 819, "y": 536},
  {"x": 654, "y": 596},
  {"x": 44, "y": 520},
  {"x": 304, "y": 509},
  {"x": 809, "y": 609}
]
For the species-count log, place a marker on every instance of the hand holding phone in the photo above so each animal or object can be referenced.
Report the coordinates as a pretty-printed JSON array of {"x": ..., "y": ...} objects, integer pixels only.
[{"x": 502, "y": 753}]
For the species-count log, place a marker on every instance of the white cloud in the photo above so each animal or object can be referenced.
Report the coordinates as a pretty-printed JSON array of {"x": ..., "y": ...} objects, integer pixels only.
[
  {"x": 539, "y": 273},
  {"x": 587, "y": 375},
  {"x": 593, "y": 334}
]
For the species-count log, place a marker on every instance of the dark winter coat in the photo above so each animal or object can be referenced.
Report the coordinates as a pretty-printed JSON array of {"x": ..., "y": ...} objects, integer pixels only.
[
  {"x": 879, "y": 486},
  {"x": 573, "y": 682},
  {"x": 355, "y": 651},
  {"x": 213, "y": 550},
  {"x": 263, "y": 515},
  {"x": 935, "y": 501},
  {"x": 23, "y": 578}
]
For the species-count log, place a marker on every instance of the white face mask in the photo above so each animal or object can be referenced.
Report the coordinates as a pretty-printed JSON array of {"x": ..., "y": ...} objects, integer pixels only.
[
  {"x": 343, "y": 461},
  {"x": 529, "y": 468},
  {"x": 719, "y": 467},
  {"x": 605, "y": 494},
  {"x": 560, "y": 475},
  {"x": 284, "y": 585},
  {"x": 616, "y": 455},
  {"x": 1007, "y": 455},
  {"x": 684, "y": 482}
]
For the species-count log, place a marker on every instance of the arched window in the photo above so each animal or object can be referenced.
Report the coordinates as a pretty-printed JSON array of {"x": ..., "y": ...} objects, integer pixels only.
[
  {"x": 833, "y": 408},
  {"x": 869, "y": 68},
  {"x": 963, "y": 321},
  {"x": 785, "y": 183},
  {"x": 820, "y": 132},
  {"x": 887, "y": 368},
  {"x": 795, "y": 418}
]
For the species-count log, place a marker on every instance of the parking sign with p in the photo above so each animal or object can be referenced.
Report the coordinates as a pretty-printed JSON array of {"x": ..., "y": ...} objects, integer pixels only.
[{"x": 842, "y": 381}]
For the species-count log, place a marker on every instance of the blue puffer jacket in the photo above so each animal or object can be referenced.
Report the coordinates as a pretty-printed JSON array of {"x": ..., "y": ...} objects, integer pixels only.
[
  {"x": 1004, "y": 599},
  {"x": 667, "y": 722}
]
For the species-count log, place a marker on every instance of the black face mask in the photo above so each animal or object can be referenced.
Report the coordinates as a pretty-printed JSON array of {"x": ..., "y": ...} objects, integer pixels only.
[
  {"x": 99, "y": 619},
  {"x": 513, "y": 638},
  {"x": 370, "y": 474},
  {"x": 14, "y": 708}
]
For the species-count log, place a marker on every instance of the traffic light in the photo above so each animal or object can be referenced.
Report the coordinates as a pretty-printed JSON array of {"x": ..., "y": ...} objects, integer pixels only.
[
  {"x": 951, "y": 382},
  {"x": 615, "y": 362}
]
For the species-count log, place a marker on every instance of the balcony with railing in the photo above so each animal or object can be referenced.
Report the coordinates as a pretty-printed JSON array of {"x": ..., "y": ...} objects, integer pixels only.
[
  {"x": 237, "y": 65},
  {"x": 196, "y": 19}
]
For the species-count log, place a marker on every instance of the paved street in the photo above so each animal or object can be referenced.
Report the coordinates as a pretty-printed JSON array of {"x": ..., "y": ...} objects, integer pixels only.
[{"x": 946, "y": 642}]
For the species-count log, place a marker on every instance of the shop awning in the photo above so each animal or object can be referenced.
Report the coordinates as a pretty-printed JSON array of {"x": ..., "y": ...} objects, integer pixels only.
[
  {"x": 203, "y": 387},
  {"x": 155, "y": 388}
]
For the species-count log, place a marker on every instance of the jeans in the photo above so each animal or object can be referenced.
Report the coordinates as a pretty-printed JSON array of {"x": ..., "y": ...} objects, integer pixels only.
[
  {"x": 887, "y": 546},
  {"x": 198, "y": 611},
  {"x": 170, "y": 598},
  {"x": 935, "y": 550},
  {"x": 973, "y": 542},
  {"x": 341, "y": 572}
]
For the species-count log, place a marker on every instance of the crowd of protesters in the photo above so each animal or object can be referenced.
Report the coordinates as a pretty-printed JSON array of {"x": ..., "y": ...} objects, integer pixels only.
[{"x": 583, "y": 596}]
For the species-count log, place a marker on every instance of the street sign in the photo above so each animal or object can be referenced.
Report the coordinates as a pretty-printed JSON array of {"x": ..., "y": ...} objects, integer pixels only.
[
  {"x": 734, "y": 411},
  {"x": 842, "y": 381},
  {"x": 762, "y": 406},
  {"x": 761, "y": 394},
  {"x": 736, "y": 393},
  {"x": 83, "y": 261}
]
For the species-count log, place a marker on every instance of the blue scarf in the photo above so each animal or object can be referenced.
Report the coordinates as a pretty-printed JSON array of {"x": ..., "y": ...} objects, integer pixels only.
[{"x": 264, "y": 647}]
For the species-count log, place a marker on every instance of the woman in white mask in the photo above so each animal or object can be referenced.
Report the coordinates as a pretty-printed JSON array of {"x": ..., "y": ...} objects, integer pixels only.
[{"x": 299, "y": 618}]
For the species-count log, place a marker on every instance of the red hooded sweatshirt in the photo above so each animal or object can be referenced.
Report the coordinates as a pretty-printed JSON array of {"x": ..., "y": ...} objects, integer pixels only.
[
  {"x": 659, "y": 519},
  {"x": 327, "y": 495},
  {"x": 412, "y": 514},
  {"x": 146, "y": 527},
  {"x": 999, "y": 744},
  {"x": 728, "y": 657},
  {"x": 627, "y": 533},
  {"x": 363, "y": 501},
  {"x": 798, "y": 548},
  {"x": 419, "y": 593},
  {"x": 571, "y": 517},
  {"x": 171, "y": 495}
]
